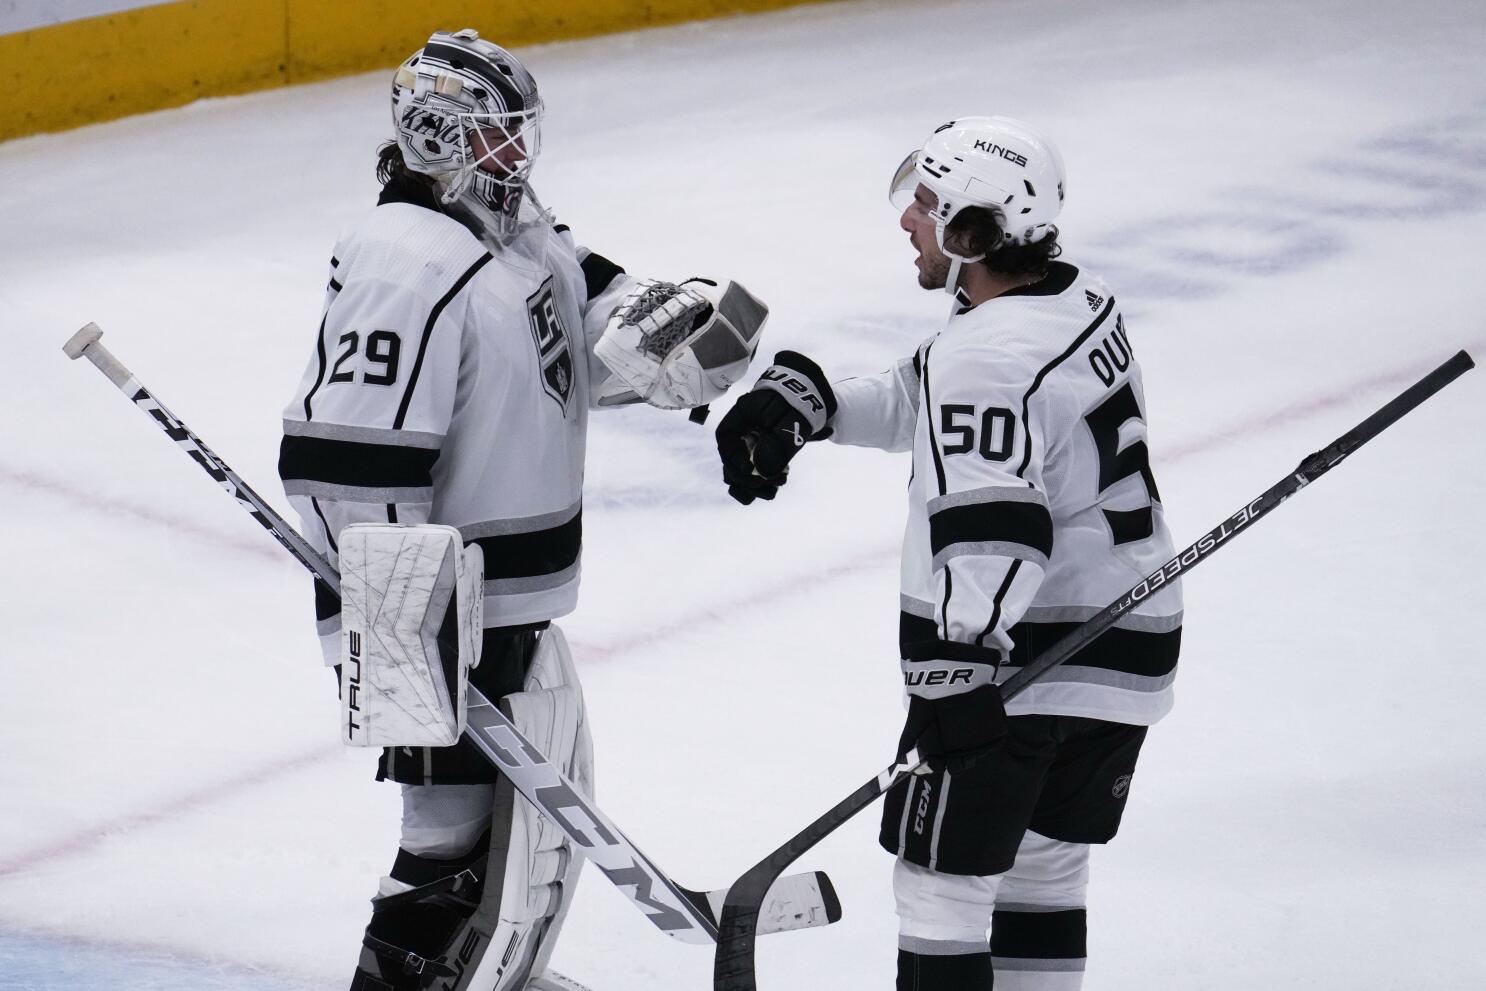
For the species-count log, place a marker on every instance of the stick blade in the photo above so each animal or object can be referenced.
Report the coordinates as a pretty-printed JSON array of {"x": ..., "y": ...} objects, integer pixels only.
[
  {"x": 800, "y": 901},
  {"x": 78, "y": 343}
]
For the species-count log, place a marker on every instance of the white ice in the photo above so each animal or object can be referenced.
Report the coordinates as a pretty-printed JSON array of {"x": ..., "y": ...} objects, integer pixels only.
[{"x": 1289, "y": 199}]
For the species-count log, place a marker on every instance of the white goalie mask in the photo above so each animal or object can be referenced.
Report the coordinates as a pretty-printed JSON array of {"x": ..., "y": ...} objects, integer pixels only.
[
  {"x": 996, "y": 163},
  {"x": 467, "y": 113}
]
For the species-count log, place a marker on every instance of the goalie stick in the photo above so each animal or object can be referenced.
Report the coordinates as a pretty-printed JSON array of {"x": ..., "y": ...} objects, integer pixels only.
[
  {"x": 797, "y": 902},
  {"x": 733, "y": 967}
]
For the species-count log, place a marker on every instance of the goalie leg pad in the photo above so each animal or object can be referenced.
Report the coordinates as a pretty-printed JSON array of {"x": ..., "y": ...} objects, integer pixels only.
[
  {"x": 488, "y": 920},
  {"x": 541, "y": 866}
]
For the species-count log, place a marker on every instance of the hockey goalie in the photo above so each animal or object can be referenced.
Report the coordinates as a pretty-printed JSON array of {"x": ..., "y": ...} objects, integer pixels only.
[{"x": 465, "y": 338}]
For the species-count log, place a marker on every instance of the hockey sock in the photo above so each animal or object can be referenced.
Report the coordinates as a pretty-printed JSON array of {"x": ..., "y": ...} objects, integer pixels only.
[
  {"x": 932, "y": 972},
  {"x": 1040, "y": 950}
]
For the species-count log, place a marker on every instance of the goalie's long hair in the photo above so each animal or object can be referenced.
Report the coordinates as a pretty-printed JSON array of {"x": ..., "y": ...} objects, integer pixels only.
[{"x": 390, "y": 166}]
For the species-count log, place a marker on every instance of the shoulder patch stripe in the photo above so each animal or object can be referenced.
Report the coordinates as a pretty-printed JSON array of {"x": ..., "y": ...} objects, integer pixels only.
[
  {"x": 1037, "y": 382},
  {"x": 984, "y": 494},
  {"x": 341, "y": 462},
  {"x": 325, "y": 430},
  {"x": 1026, "y": 523},
  {"x": 433, "y": 318}
]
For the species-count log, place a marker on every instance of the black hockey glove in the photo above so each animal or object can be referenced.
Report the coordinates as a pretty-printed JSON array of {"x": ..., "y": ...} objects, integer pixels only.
[
  {"x": 955, "y": 712},
  {"x": 790, "y": 404}
]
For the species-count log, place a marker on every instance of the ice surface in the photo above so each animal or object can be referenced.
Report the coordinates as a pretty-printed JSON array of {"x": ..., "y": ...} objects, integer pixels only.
[{"x": 1290, "y": 201}]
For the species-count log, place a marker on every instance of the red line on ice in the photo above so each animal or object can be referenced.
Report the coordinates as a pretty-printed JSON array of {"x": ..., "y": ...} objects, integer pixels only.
[
  {"x": 85, "y": 839},
  {"x": 194, "y": 801},
  {"x": 109, "y": 506}
]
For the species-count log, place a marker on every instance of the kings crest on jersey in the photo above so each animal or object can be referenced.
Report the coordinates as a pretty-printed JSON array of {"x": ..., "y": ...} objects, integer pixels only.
[{"x": 551, "y": 340}]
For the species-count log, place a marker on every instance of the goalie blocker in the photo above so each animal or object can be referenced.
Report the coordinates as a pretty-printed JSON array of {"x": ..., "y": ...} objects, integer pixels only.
[{"x": 411, "y": 622}]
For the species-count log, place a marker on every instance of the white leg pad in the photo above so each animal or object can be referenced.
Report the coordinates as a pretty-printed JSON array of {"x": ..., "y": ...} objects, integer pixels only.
[{"x": 541, "y": 868}]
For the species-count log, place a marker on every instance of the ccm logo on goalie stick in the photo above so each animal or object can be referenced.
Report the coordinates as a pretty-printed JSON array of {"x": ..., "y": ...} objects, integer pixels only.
[
  {"x": 353, "y": 683},
  {"x": 189, "y": 443},
  {"x": 559, "y": 803}
]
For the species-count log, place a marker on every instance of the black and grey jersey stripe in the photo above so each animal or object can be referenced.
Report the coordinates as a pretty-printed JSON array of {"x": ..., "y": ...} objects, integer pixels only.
[
  {"x": 529, "y": 554},
  {"x": 1142, "y": 659},
  {"x": 996, "y": 520},
  {"x": 358, "y": 464}
]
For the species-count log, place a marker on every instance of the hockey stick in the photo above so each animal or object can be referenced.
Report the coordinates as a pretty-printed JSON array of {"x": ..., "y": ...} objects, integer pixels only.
[
  {"x": 733, "y": 968},
  {"x": 799, "y": 901}
]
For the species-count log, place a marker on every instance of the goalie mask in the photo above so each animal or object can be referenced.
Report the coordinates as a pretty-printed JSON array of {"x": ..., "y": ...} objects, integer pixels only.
[
  {"x": 467, "y": 113},
  {"x": 996, "y": 163}
]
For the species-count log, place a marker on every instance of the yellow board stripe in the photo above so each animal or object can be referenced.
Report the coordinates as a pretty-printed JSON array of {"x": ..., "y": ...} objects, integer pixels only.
[{"x": 102, "y": 68}]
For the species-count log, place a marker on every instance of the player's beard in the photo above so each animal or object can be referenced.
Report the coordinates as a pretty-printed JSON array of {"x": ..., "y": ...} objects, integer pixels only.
[{"x": 933, "y": 270}]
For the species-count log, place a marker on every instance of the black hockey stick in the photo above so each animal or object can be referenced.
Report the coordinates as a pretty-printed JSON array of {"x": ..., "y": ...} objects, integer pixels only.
[
  {"x": 800, "y": 900},
  {"x": 733, "y": 969}
]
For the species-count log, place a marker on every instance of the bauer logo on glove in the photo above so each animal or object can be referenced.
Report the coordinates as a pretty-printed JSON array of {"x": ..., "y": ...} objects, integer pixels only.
[{"x": 679, "y": 346}]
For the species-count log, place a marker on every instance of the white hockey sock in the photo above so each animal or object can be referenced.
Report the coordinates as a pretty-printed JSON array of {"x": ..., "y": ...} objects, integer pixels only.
[{"x": 1039, "y": 930}]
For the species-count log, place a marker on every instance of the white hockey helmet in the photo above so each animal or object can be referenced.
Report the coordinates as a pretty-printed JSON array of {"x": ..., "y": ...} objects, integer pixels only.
[
  {"x": 468, "y": 114},
  {"x": 997, "y": 163}
]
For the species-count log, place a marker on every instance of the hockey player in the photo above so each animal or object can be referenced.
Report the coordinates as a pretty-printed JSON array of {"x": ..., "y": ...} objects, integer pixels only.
[
  {"x": 1031, "y": 506},
  {"x": 463, "y": 341}
]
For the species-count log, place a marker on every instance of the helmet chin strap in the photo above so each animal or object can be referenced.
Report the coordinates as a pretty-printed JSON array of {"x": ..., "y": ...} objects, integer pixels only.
[{"x": 952, "y": 280}]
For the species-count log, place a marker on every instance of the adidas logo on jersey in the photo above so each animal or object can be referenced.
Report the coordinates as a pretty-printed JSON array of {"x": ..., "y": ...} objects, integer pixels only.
[{"x": 1095, "y": 300}]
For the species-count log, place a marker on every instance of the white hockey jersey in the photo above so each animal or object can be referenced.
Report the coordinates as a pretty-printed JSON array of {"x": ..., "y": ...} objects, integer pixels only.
[
  {"x": 1032, "y": 504},
  {"x": 451, "y": 383}
]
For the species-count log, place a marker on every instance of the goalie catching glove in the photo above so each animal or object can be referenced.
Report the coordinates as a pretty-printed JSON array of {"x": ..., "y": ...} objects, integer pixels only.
[
  {"x": 679, "y": 346},
  {"x": 790, "y": 403}
]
